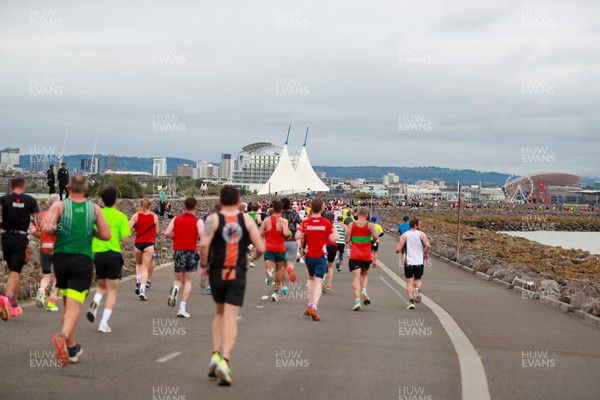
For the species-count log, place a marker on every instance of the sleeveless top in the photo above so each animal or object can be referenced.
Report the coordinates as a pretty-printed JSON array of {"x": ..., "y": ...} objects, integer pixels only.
[
  {"x": 75, "y": 229},
  {"x": 275, "y": 238},
  {"x": 185, "y": 227},
  {"x": 144, "y": 231},
  {"x": 361, "y": 243},
  {"x": 229, "y": 244}
]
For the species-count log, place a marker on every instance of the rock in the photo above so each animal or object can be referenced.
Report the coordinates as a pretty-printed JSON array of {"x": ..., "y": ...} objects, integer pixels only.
[
  {"x": 596, "y": 311},
  {"x": 549, "y": 289},
  {"x": 588, "y": 305},
  {"x": 565, "y": 263},
  {"x": 577, "y": 299},
  {"x": 467, "y": 260},
  {"x": 483, "y": 266}
]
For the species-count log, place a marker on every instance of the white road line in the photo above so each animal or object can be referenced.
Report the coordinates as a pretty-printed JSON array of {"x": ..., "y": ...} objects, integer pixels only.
[
  {"x": 472, "y": 374},
  {"x": 168, "y": 357},
  {"x": 394, "y": 289}
]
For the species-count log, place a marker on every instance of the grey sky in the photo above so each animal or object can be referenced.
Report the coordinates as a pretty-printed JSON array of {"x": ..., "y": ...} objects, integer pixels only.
[{"x": 453, "y": 77}]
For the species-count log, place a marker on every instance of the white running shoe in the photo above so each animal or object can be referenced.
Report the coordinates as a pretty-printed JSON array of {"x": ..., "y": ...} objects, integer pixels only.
[
  {"x": 104, "y": 328},
  {"x": 183, "y": 314},
  {"x": 417, "y": 295}
]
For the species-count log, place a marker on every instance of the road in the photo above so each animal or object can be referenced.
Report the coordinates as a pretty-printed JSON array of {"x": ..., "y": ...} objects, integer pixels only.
[{"x": 470, "y": 339}]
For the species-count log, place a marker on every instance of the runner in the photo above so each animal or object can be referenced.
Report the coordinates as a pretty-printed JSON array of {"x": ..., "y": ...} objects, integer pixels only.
[
  {"x": 402, "y": 229},
  {"x": 47, "y": 289},
  {"x": 204, "y": 278},
  {"x": 361, "y": 233},
  {"x": 146, "y": 228},
  {"x": 291, "y": 245},
  {"x": 226, "y": 237},
  {"x": 316, "y": 231},
  {"x": 375, "y": 246},
  {"x": 108, "y": 259},
  {"x": 18, "y": 210},
  {"x": 73, "y": 265},
  {"x": 185, "y": 230},
  {"x": 253, "y": 215},
  {"x": 341, "y": 243},
  {"x": 275, "y": 230},
  {"x": 417, "y": 253},
  {"x": 347, "y": 221},
  {"x": 331, "y": 251}
]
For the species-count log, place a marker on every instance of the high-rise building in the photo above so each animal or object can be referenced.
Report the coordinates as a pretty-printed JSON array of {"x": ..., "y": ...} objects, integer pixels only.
[
  {"x": 10, "y": 156},
  {"x": 255, "y": 164},
  {"x": 391, "y": 178},
  {"x": 225, "y": 166},
  {"x": 110, "y": 162},
  {"x": 89, "y": 165},
  {"x": 185, "y": 170},
  {"x": 40, "y": 163},
  {"x": 204, "y": 169},
  {"x": 159, "y": 167}
]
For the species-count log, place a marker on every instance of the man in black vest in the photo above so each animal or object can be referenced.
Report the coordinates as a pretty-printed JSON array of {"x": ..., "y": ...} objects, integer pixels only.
[
  {"x": 51, "y": 175},
  {"x": 63, "y": 180}
]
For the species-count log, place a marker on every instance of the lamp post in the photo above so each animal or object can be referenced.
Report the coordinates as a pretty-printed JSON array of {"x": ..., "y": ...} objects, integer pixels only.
[{"x": 371, "y": 189}]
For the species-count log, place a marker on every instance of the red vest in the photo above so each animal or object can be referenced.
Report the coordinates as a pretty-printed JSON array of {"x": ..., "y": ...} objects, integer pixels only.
[{"x": 185, "y": 229}]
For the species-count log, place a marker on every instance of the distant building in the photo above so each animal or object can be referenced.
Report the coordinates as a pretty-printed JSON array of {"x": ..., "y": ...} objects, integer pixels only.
[
  {"x": 255, "y": 164},
  {"x": 225, "y": 166},
  {"x": 89, "y": 165},
  {"x": 110, "y": 162},
  {"x": 40, "y": 163},
  {"x": 391, "y": 178},
  {"x": 185, "y": 170},
  {"x": 597, "y": 185},
  {"x": 321, "y": 174},
  {"x": 159, "y": 166},
  {"x": 10, "y": 156},
  {"x": 491, "y": 194}
]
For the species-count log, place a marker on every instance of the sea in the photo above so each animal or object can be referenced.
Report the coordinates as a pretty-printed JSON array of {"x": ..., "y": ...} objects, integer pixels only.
[{"x": 589, "y": 241}]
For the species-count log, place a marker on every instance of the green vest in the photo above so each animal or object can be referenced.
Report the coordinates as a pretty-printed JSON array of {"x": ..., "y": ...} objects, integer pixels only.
[{"x": 75, "y": 229}]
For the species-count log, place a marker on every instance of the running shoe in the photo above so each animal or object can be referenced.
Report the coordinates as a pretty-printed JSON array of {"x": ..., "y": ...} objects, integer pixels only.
[
  {"x": 374, "y": 265},
  {"x": 143, "y": 297},
  {"x": 269, "y": 276},
  {"x": 302, "y": 261},
  {"x": 91, "y": 314},
  {"x": 223, "y": 373},
  {"x": 148, "y": 284},
  {"x": 328, "y": 289},
  {"x": 308, "y": 310},
  {"x": 182, "y": 314},
  {"x": 338, "y": 267},
  {"x": 290, "y": 270},
  {"x": 275, "y": 297},
  {"x": 252, "y": 264},
  {"x": 284, "y": 291},
  {"x": 62, "y": 354},
  {"x": 137, "y": 288},
  {"x": 208, "y": 291},
  {"x": 4, "y": 308},
  {"x": 40, "y": 298},
  {"x": 356, "y": 305},
  {"x": 104, "y": 328},
  {"x": 315, "y": 315},
  {"x": 203, "y": 281},
  {"x": 411, "y": 305},
  {"x": 74, "y": 353},
  {"x": 417, "y": 295},
  {"x": 323, "y": 287},
  {"x": 51, "y": 306},
  {"x": 365, "y": 297},
  {"x": 212, "y": 366},
  {"x": 16, "y": 312},
  {"x": 172, "y": 299}
]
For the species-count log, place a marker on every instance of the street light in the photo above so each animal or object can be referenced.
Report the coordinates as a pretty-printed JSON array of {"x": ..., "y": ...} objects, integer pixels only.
[{"x": 371, "y": 189}]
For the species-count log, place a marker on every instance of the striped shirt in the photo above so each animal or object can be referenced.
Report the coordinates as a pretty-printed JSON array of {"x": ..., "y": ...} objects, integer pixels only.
[{"x": 341, "y": 231}]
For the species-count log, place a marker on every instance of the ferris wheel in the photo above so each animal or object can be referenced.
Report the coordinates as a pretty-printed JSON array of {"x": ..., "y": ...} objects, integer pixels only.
[{"x": 518, "y": 188}]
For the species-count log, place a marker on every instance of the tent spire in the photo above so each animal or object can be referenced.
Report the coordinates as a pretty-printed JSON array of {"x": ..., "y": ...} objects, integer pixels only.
[
  {"x": 306, "y": 136},
  {"x": 288, "y": 135}
]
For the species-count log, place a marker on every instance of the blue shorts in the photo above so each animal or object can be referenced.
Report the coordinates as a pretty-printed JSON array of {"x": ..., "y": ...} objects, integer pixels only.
[{"x": 316, "y": 266}]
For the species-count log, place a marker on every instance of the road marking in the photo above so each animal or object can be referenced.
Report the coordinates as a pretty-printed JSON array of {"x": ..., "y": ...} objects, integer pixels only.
[
  {"x": 168, "y": 357},
  {"x": 394, "y": 289},
  {"x": 472, "y": 374}
]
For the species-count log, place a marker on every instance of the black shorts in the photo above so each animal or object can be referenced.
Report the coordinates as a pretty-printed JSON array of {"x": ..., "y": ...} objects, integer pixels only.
[
  {"x": 143, "y": 246},
  {"x": 341, "y": 247},
  {"x": 413, "y": 271},
  {"x": 16, "y": 251},
  {"x": 331, "y": 253},
  {"x": 356, "y": 264},
  {"x": 228, "y": 285},
  {"x": 46, "y": 262},
  {"x": 74, "y": 273},
  {"x": 375, "y": 246},
  {"x": 108, "y": 265},
  {"x": 185, "y": 261}
]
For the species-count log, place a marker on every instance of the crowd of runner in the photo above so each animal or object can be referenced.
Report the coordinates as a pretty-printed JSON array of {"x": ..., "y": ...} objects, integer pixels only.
[{"x": 78, "y": 237}]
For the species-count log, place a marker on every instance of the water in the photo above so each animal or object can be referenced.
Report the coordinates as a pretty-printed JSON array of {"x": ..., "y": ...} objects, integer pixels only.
[{"x": 589, "y": 241}]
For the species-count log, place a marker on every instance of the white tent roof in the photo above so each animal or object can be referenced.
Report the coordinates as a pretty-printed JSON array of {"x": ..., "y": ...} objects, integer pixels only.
[
  {"x": 307, "y": 174},
  {"x": 285, "y": 179}
]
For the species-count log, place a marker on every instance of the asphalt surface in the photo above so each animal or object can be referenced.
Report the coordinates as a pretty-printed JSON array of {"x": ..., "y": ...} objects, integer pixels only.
[{"x": 527, "y": 349}]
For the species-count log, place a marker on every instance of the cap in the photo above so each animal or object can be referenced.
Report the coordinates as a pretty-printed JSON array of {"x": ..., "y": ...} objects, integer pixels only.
[
  {"x": 374, "y": 218},
  {"x": 405, "y": 218}
]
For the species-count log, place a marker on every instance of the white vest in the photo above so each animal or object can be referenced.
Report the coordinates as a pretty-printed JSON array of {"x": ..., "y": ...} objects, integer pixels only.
[{"x": 414, "y": 248}]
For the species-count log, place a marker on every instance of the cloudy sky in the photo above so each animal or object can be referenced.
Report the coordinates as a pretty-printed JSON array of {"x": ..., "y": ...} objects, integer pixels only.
[{"x": 509, "y": 87}]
